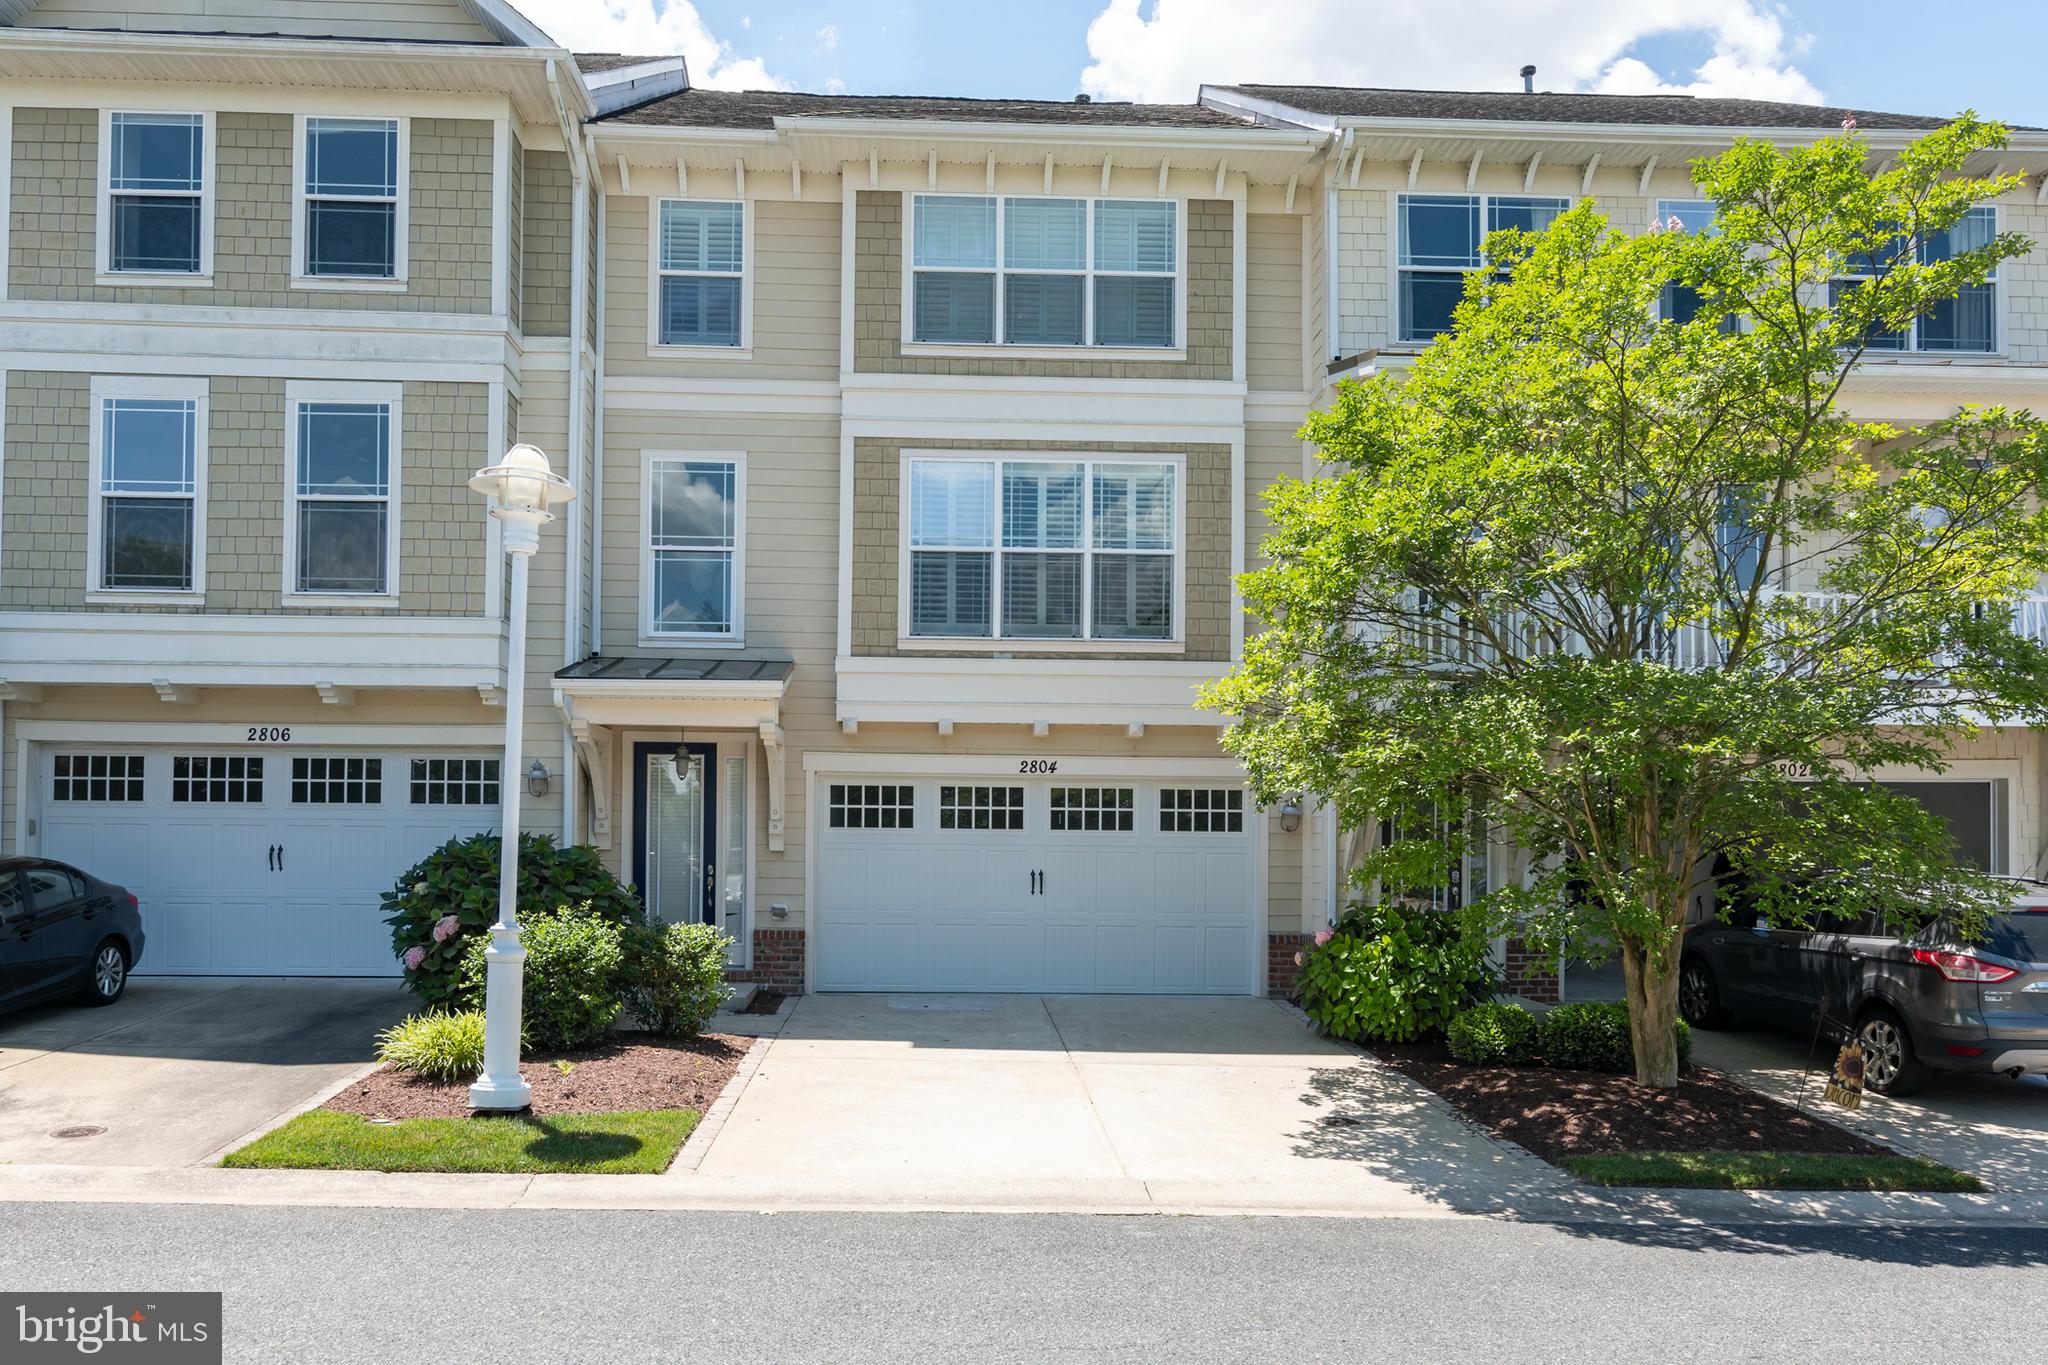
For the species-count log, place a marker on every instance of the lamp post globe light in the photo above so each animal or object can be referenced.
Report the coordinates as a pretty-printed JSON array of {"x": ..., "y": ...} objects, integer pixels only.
[{"x": 521, "y": 487}]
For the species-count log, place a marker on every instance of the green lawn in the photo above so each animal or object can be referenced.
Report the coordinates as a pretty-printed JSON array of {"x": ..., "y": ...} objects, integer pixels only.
[
  {"x": 587, "y": 1144},
  {"x": 1771, "y": 1171}
]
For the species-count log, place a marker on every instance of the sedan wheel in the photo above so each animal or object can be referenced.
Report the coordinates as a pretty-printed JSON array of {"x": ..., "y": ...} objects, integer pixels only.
[
  {"x": 108, "y": 976},
  {"x": 1699, "y": 1001}
]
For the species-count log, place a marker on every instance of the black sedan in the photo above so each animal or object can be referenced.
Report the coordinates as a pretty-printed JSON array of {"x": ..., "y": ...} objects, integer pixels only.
[{"x": 63, "y": 933}]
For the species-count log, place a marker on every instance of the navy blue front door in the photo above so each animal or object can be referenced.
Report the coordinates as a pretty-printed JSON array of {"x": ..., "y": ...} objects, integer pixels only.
[{"x": 675, "y": 831}]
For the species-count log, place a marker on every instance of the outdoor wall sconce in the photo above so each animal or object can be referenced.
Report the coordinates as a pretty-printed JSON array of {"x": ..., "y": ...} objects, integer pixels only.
[
  {"x": 537, "y": 779},
  {"x": 1290, "y": 814}
]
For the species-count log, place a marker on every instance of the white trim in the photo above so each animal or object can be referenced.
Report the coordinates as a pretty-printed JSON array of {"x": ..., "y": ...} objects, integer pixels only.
[
  {"x": 731, "y": 639},
  {"x": 401, "y": 228},
  {"x": 656, "y": 347},
  {"x": 849, "y": 200},
  {"x": 297, "y": 394},
  {"x": 112, "y": 388},
  {"x": 497, "y": 412},
  {"x": 990, "y": 764},
  {"x": 1239, "y": 496},
  {"x": 1087, "y": 642},
  {"x": 1239, "y": 286},
  {"x": 1156, "y": 692},
  {"x": 103, "y": 227}
]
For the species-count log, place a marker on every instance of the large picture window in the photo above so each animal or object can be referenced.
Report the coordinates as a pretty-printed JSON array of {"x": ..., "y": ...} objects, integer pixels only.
[
  {"x": 695, "y": 526},
  {"x": 1041, "y": 271},
  {"x": 353, "y": 175},
  {"x": 342, "y": 525},
  {"x": 701, "y": 262},
  {"x": 149, "y": 462},
  {"x": 154, "y": 221},
  {"x": 1967, "y": 322},
  {"x": 1440, "y": 237},
  {"x": 1043, "y": 549}
]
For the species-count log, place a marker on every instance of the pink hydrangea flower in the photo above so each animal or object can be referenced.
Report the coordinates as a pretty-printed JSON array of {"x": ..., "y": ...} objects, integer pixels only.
[
  {"x": 414, "y": 957},
  {"x": 1674, "y": 224},
  {"x": 445, "y": 930},
  {"x": 1300, "y": 960},
  {"x": 1848, "y": 123},
  {"x": 1324, "y": 936},
  {"x": 1656, "y": 226}
]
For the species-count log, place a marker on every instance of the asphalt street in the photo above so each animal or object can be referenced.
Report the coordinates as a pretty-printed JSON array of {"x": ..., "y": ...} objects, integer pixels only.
[{"x": 348, "y": 1285}]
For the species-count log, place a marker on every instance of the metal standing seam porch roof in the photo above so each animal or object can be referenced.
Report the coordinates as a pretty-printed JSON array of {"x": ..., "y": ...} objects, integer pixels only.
[{"x": 690, "y": 669}]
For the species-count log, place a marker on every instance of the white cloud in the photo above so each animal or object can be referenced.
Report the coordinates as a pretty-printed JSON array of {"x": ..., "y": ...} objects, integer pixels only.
[
  {"x": 1164, "y": 50},
  {"x": 652, "y": 27},
  {"x": 828, "y": 37}
]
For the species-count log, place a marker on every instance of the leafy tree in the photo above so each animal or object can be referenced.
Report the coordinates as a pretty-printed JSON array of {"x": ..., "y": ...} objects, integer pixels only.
[{"x": 1639, "y": 601}]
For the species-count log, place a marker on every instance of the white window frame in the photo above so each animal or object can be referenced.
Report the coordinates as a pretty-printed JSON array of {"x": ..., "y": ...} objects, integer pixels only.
[
  {"x": 998, "y": 643},
  {"x": 1913, "y": 347},
  {"x": 655, "y": 345},
  {"x": 103, "y": 257},
  {"x": 401, "y": 229},
  {"x": 297, "y": 394},
  {"x": 1396, "y": 270},
  {"x": 107, "y": 388},
  {"x": 650, "y": 637},
  {"x": 1088, "y": 273}
]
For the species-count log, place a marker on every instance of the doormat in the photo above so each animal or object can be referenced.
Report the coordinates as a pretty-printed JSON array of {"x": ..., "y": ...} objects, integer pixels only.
[{"x": 973, "y": 1004}]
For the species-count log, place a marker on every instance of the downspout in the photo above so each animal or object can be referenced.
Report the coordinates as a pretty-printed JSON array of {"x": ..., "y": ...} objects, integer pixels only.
[
  {"x": 579, "y": 451},
  {"x": 597, "y": 416},
  {"x": 1333, "y": 345}
]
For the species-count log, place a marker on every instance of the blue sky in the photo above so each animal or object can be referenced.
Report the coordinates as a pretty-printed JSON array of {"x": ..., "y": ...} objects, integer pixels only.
[{"x": 1881, "y": 54}]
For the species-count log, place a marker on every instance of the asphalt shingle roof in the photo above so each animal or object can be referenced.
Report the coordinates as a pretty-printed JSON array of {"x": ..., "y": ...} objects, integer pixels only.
[
  {"x": 1676, "y": 110},
  {"x": 760, "y": 109},
  {"x": 591, "y": 63}
]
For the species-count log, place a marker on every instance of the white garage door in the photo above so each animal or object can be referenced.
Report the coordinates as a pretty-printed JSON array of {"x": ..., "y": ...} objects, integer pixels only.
[
  {"x": 986, "y": 885},
  {"x": 260, "y": 862}
]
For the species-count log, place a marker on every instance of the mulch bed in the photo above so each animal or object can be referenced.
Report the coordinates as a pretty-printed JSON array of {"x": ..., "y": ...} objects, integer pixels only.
[
  {"x": 628, "y": 1072},
  {"x": 1562, "y": 1114},
  {"x": 764, "y": 1002}
]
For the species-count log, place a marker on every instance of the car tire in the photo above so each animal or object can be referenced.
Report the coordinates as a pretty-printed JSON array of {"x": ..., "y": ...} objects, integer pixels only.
[
  {"x": 106, "y": 974},
  {"x": 1699, "y": 995},
  {"x": 1889, "y": 1064}
]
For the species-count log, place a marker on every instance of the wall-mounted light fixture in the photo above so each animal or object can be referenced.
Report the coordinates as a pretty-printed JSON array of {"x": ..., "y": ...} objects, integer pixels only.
[
  {"x": 537, "y": 779},
  {"x": 1290, "y": 814}
]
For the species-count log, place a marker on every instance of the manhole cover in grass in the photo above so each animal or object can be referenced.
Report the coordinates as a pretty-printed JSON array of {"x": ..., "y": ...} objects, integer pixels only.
[{"x": 78, "y": 1130}]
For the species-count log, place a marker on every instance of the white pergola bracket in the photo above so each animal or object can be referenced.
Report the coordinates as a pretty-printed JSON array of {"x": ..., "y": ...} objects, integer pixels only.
[
  {"x": 1529, "y": 176},
  {"x": 332, "y": 695},
  {"x": 171, "y": 692},
  {"x": 625, "y": 176},
  {"x": 1472, "y": 172},
  {"x": 594, "y": 751},
  {"x": 22, "y": 692},
  {"x": 1040, "y": 729},
  {"x": 1643, "y": 185},
  {"x": 490, "y": 694},
  {"x": 1414, "y": 169}
]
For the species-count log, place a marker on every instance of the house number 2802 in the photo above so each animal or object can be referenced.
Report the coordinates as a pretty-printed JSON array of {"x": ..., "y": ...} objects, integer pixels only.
[
  {"x": 270, "y": 734},
  {"x": 1035, "y": 766}
]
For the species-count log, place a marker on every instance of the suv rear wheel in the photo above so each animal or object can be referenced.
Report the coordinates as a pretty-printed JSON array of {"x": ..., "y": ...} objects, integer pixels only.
[
  {"x": 1889, "y": 1066},
  {"x": 1699, "y": 995}
]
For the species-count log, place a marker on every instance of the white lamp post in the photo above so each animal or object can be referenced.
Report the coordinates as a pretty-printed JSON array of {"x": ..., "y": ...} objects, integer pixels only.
[{"x": 522, "y": 489}]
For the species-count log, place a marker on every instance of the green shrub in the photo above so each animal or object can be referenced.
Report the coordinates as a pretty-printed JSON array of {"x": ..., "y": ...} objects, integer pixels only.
[
  {"x": 1493, "y": 1035},
  {"x": 674, "y": 976},
  {"x": 449, "y": 900},
  {"x": 435, "y": 1046},
  {"x": 1393, "y": 974},
  {"x": 573, "y": 961},
  {"x": 1594, "y": 1037}
]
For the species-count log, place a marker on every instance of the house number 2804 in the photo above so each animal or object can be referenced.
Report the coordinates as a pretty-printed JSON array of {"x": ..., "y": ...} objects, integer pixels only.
[
  {"x": 270, "y": 734},
  {"x": 1046, "y": 766}
]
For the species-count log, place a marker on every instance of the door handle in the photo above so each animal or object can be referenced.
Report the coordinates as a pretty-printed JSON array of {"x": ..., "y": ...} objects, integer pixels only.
[
  {"x": 270, "y": 857},
  {"x": 280, "y": 857}
]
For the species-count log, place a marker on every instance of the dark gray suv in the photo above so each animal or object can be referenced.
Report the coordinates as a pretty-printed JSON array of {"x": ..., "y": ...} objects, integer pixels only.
[{"x": 1919, "y": 1004}]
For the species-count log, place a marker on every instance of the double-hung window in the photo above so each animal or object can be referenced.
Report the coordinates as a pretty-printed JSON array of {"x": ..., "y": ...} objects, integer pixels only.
[
  {"x": 1043, "y": 271},
  {"x": 696, "y": 526},
  {"x": 352, "y": 223},
  {"x": 149, "y": 471},
  {"x": 1967, "y": 322},
  {"x": 1440, "y": 236},
  {"x": 701, "y": 262},
  {"x": 341, "y": 532},
  {"x": 1680, "y": 302},
  {"x": 154, "y": 216},
  {"x": 1043, "y": 549}
]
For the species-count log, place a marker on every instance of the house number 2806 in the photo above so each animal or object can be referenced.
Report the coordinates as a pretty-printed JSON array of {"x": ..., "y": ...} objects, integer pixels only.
[
  {"x": 1045, "y": 766},
  {"x": 270, "y": 734}
]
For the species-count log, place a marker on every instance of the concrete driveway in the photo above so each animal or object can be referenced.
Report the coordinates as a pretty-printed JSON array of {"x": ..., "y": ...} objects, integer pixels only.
[
  {"x": 982, "y": 1101},
  {"x": 1991, "y": 1127},
  {"x": 181, "y": 1066}
]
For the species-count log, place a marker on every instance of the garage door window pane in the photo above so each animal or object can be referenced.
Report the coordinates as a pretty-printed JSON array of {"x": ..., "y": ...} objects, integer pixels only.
[
  {"x": 216, "y": 779},
  {"x": 454, "y": 782},
  {"x": 1201, "y": 810},
  {"x": 97, "y": 777},
  {"x": 870, "y": 806},
  {"x": 1094, "y": 809},
  {"x": 337, "y": 781},
  {"x": 981, "y": 808}
]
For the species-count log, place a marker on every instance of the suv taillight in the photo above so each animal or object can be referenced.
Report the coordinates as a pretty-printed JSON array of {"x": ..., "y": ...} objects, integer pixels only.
[
  {"x": 133, "y": 904},
  {"x": 1963, "y": 967}
]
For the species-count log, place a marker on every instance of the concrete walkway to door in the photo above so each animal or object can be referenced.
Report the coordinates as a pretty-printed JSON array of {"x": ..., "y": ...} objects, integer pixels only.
[{"x": 1068, "y": 1101}]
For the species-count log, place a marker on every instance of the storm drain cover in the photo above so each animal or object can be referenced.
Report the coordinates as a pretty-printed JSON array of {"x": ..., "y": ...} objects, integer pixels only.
[{"x": 78, "y": 1130}]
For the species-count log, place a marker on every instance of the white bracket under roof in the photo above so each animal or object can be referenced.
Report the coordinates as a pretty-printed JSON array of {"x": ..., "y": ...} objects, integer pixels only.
[
  {"x": 332, "y": 695},
  {"x": 22, "y": 692},
  {"x": 171, "y": 692},
  {"x": 772, "y": 741},
  {"x": 1414, "y": 169},
  {"x": 1472, "y": 172},
  {"x": 1643, "y": 185},
  {"x": 1586, "y": 180},
  {"x": 1529, "y": 176},
  {"x": 594, "y": 749}
]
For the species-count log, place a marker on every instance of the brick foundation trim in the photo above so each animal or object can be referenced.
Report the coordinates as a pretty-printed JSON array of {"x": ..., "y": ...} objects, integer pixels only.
[
  {"x": 778, "y": 962},
  {"x": 1530, "y": 974},
  {"x": 1283, "y": 977}
]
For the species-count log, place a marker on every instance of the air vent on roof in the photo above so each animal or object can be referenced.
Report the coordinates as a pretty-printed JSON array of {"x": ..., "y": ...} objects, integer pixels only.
[
  {"x": 1529, "y": 79},
  {"x": 1083, "y": 99}
]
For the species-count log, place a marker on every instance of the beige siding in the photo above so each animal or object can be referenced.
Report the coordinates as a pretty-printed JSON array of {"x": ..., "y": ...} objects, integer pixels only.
[
  {"x": 56, "y": 208},
  {"x": 1273, "y": 302},
  {"x": 1206, "y": 562},
  {"x": 547, "y": 243},
  {"x": 878, "y": 322},
  {"x": 418, "y": 21},
  {"x": 443, "y": 551},
  {"x": 794, "y": 275}
]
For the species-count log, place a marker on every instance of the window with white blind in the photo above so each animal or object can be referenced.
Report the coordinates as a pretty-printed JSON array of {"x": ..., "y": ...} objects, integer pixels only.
[
  {"x": 154, "y": 215},
  {"x": 148, "y": 450},
  {"x": 700, "y": 265},
  {"x": 1042, "y": 549},
  {"x": 696, "y": 533},
  {"x": 1043, "y": 271},
  {"x": 341, "y": 531}
]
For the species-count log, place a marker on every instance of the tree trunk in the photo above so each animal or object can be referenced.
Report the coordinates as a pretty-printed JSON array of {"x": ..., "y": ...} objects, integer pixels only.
[{"x": 1652, "y": 1015}]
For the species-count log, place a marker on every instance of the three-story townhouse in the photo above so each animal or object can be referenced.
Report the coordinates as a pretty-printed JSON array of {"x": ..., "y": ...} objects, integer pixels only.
[{"x": 1415, "y": 179}]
